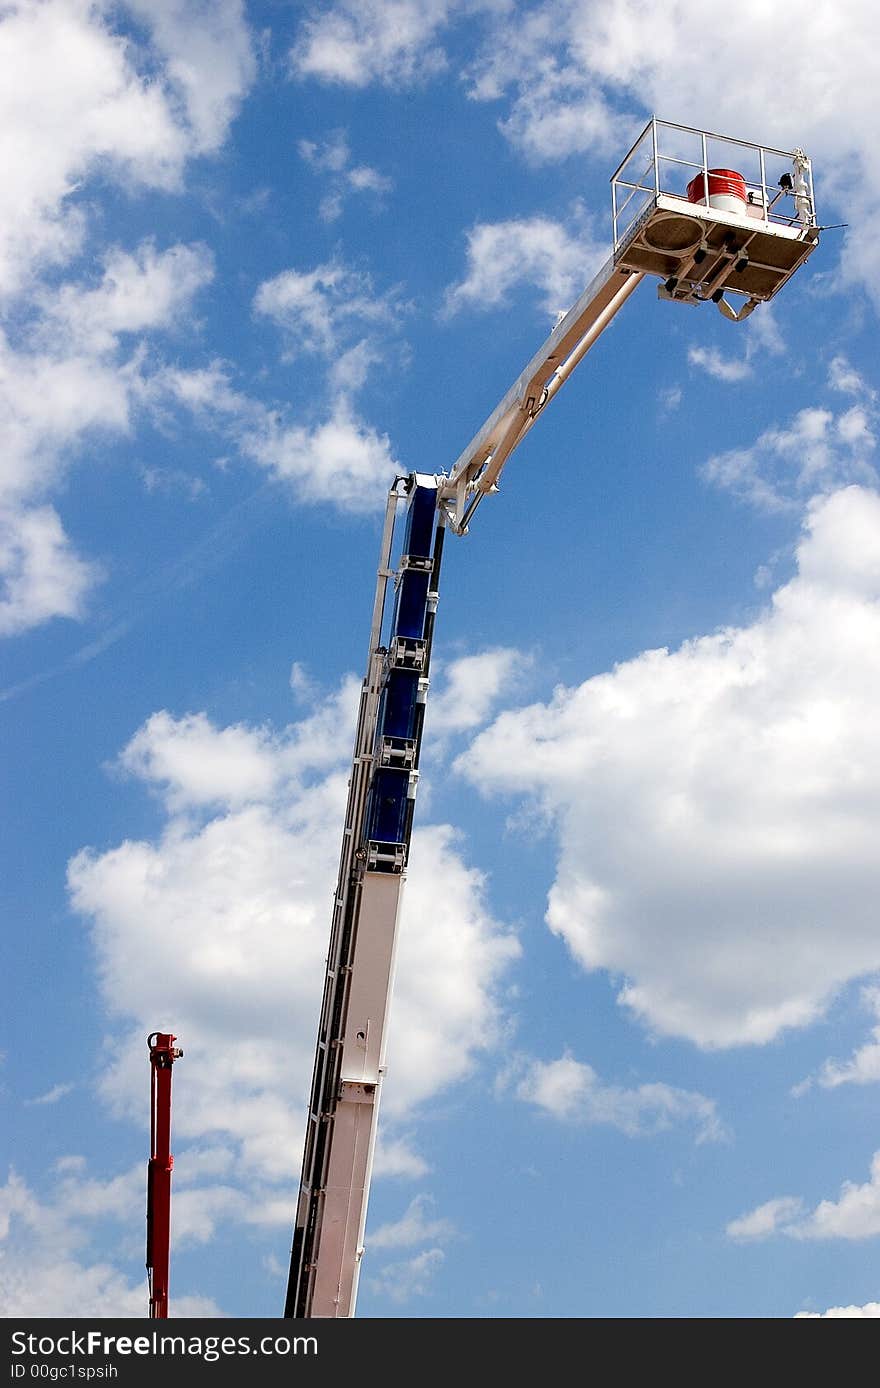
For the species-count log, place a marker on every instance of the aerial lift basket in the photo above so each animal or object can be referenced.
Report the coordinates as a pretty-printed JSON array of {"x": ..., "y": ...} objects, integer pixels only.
[{"x": 710, "y": 215}]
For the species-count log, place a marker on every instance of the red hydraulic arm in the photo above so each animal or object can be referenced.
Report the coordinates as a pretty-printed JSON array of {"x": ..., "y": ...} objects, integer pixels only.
[{"x": 163, "y": 1054}]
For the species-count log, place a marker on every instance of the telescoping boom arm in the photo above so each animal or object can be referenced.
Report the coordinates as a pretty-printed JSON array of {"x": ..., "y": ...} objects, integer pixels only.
[
  {"x": 699, "y": 246},
  {"x": 163, "y": 1054},
  {"x": 350, "y": 1055}
]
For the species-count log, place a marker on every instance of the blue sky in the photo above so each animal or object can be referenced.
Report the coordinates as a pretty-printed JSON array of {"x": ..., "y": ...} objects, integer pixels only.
[{"x": 255, "y": 260}]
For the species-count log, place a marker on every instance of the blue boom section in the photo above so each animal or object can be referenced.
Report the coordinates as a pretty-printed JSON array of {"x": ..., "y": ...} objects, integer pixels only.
[{"x": 398, "y": 734}]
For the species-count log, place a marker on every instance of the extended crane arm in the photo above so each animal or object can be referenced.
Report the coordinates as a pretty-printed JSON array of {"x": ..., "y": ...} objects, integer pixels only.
[
  {"x": 478, "y": 468},
  {"x": 723, "y": 236},
  {"x": 350, "y": 1054}
]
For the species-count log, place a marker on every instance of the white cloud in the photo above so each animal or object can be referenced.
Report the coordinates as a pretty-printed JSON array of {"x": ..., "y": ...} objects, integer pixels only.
[
  {"x": 330, "y": 155},
  {"x": 209, "y": 60},
  {"x": 302, "y": 303},
  {"x": 331, "y": 205},
  {"x": 40, "y": 575},
  {"x": 362, "y": 178},
  {"x": 67, "y": 382},
  {"x": 554, "y": 114},
  {"x": 766, "y": 1219},
  {"x": 817, "y": 451},
  {"x": 843, "y": 376},
  {"x": 48, "y": 405},
  {"x": 45, "y": 1257},
  {"x": 72, "y": 103},
  {"x": 854, "y": 429},
  {"x": 197, "y": 764},
  {"x": 763, "y": 333},
  {"x": 343, "y": 460},
  {"x": 569, "y": 1090},
  {"x": 349, "y": 371},
  {"x": 206, "y": 391},
  {"x": 76, "y": 99},
  {"x": 355, "y": 42},
  {"x": 395, "y": 1157},
  {"x": 200, "y": 1209},
  {"x": 201, "y": 765},
  {"x": 414, "y": 1226},
  {"x": 333, "y": 158},
  {"x": 716, "y": 806},
  {"x": 244, "y": 898},
  {"x": 722, "y": 368},
  {"x": 72, "y": 1162},
  {"x": 856, "y": 1215},
  {"x": 670, "y": 397},
  {"x": 301, "y": 682},
  {"x": 451, "y": 958},
  {"x": 527, "y": 250},
  {"x": 218, "y": 931},
  {"x": 554, "y": 111},
  {"x": 66, "y": 385},
  {"x": 472, "y": 685},
  {"x": 138, "y": 292},
  {"x": 864, "y": 1066},
  {"x": 402, "y": 1281},
  {"x": 170, "y": 480},
  {"x": 58, "y": 1091},
  {"x": 870, "y": 1310},
  {"x": 623, "y": 49},
  {"x": 315, "y": 307},
  {"x": 340, "y": 460}
]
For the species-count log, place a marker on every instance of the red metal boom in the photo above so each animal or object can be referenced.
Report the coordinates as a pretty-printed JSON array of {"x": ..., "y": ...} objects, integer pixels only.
[{"x": 163, "y": 1054}]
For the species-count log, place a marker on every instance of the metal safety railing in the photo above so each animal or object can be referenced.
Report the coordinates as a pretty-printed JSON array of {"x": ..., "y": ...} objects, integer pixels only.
[{"x": 667, "y": 157}]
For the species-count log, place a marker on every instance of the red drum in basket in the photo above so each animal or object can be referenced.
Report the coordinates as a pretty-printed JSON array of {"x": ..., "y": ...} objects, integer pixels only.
[{"x": 727, "y": 190}]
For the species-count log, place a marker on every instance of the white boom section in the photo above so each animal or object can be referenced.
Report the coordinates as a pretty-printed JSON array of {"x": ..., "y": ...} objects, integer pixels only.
[
  {"x": 350, "y": 1053},
  {"x": 350, "y": 1058},
  {"x": 332, "y": 1202},
  {"x": 477, "y": 470},
  {"x": 362, "y": 1066}
]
